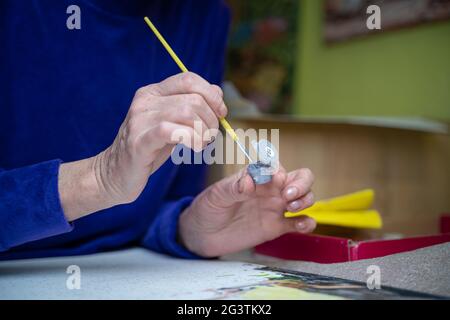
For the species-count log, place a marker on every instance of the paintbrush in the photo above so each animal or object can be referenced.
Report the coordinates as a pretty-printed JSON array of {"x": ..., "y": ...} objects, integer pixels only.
[{"x": 223, "y": 121}]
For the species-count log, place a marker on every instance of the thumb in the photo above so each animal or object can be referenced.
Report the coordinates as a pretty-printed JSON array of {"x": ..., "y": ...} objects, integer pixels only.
[{"x": 234, "y": 189}]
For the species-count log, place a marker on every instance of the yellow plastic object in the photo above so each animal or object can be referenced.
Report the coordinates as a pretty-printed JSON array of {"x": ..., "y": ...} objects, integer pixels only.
[
  {"x": 366, "y": 219},
  {"x": 360, "y": 200},
  {"x": 351, "y": 210}
]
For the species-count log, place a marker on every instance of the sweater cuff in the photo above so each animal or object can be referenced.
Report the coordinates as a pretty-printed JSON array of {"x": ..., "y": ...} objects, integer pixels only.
[
  {"x": 162, "y": 235},
  {"x": 29, "y": 205}
]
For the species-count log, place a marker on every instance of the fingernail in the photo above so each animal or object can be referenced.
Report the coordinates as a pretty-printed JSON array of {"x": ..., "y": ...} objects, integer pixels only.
[
  {"x": 240, "y": 186},
  {"x": 301, "y": 226},
  {"x": 223, "y": 110},
  {"x": 291, "y": 193},
  {"x": 295, "y": 205}
]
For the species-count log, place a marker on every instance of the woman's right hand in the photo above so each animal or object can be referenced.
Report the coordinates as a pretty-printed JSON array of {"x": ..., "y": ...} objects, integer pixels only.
[{"x": 184, "y": 105}]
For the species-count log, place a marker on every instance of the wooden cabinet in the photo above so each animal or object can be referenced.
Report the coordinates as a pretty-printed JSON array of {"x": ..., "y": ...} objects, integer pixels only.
[{"x": 406, "y": 162}]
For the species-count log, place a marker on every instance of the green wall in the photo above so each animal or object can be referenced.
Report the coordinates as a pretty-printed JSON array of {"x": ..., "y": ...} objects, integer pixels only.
[{"x": 397, "y": 73}]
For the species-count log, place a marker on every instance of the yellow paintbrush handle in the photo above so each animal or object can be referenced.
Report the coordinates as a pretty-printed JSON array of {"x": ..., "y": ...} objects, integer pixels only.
[
  {"x": 228, "y": 129},
  {"x": 166, "y": 45},
  {"x": 183, "y": 68}
]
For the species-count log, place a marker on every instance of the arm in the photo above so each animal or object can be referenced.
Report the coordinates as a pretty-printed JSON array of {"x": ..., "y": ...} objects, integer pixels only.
[
  {"x": 162, "y": 235},
  {"x": 29, "y": 204},
  {"x": 39, "y": 201}
]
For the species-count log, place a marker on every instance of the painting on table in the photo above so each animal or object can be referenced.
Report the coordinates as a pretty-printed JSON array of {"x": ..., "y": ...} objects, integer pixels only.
[
  {"x": 280, "y": 284},
  {"x": 141, "y": 274}
]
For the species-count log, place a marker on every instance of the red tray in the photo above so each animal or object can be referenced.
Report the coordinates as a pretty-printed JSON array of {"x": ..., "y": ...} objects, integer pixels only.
[{"x": 326, "y": 249}]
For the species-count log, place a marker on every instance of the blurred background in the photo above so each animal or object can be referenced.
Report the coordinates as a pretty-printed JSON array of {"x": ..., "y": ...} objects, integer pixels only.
[
  {"x": 318, "y": 57},
  {"x": 362, "y": 108}
]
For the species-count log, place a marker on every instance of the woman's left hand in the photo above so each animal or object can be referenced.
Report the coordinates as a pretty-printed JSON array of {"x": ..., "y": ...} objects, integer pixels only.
[{"x": 235, "y": 214}]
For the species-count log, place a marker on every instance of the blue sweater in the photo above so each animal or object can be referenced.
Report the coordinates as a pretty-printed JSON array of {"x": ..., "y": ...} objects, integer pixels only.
[{"x": 63, "y": 96}]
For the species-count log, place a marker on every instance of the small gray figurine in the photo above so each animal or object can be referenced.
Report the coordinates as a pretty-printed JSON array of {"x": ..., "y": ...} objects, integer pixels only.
[{"x": 262, "y": 171}]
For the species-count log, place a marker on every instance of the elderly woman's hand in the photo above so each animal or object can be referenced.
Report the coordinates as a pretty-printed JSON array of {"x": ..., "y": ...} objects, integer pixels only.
[
  {"x": 235, "y": 214},
  {"x": 183, "y": 106}
]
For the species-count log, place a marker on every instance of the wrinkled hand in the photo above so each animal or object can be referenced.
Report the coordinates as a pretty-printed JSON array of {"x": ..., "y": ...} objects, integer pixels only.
[
  {"x": 184, "y": 107},
  {"x": 235, "y": 214},
  {"x": 146, "y": 137}
]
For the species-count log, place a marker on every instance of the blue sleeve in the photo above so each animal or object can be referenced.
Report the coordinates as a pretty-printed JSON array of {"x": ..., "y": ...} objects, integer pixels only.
[
  {"x": 30, "y": 208},
  {"x": 162, "y": 235}
]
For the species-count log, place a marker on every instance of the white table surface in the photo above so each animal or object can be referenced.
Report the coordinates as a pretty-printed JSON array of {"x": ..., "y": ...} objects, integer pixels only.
[
  {"x": 141, "y": 274},
  {"x": 129, "y": 274}
]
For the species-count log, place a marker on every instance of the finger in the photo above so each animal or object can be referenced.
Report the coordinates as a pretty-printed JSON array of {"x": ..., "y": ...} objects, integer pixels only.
[
  {"x": 231, "y": 190},
  {"x": 219, "y": 90},
  {"x": 299, "y": 183},
  {"x": 172, "y": 133},
  {"x": 274, "y": 187},
  {"x": 200, "y": 107},
  {"x": 189, "y": 82},
  {"x": 189, "y": 110},
  {"x": 302, "y": 224},
  {"x": 193, "y": 139},
  {"x": 184, "y": 116},
  {"x": 184, "y": 105},
  {"x": 246, "y": 185},
  {"x": 186, "y": 128},
  {"x": 241, "y": 187},
  {"x": 301, "y": 203}
]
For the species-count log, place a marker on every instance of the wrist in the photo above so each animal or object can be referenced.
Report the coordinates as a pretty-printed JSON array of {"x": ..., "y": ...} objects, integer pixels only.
[
  {"x": 80, "y": 190},
  {"x": 190, "y": 237},
  {"x": 185, "y": 232},
  {"x": 101, "y": 171}
]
